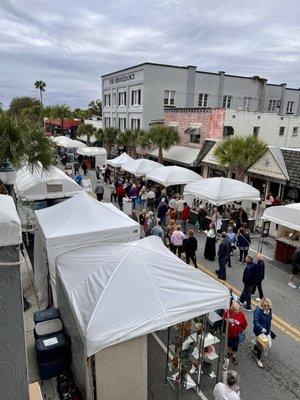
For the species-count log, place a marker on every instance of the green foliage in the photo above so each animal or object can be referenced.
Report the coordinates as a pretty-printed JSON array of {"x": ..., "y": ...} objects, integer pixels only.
[
  {"x": 160, "y": 136},
  {"x": 109, "y": 136},
  {"x": 18, "y": 104},
  {"x": 95, "y": 108},
  {"x": 239, "y": 153},
  {"x": 87, "y": 130},
  {"x": 40, "y": 85},
  {"x": 130, "y": 139},
  {"x": 58, "y": 111},
  {"x": 22, "y": 141},
  {"x": 81, "y": 114}
]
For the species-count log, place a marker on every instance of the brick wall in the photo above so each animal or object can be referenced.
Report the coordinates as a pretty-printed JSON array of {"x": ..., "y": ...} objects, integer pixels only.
[{"x": 211, "y": 122}]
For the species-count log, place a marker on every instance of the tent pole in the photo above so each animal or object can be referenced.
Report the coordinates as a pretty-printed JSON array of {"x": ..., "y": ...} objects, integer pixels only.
[
  {"x": 168, "y": 351},
  {"x": 179, "y": 363},
  {"x": 201, "y": 348}
]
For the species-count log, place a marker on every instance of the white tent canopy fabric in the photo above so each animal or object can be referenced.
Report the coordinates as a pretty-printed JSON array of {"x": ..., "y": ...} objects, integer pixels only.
[
  {"x": 76, "y": 222},
  {"x": 288, "y": 216},
  {"x": 173, "y": 175},
  {"x": 91, "y": 151},
  {"x": 34, "y": 185},
  {"x": 120, "y": 160},
  {"x": 64, "y": 141},
  {"x": 220, "y": 191},
  {"x": 10, "y": 225},
  {"x": 140, "y": 167},
  {"x": 128, "y": 290}
]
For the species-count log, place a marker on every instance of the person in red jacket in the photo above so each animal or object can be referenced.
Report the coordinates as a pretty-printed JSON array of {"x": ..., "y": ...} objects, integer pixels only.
[
  {"x": 120, "y": 191},
  {"x": 185, "y": 215},
  {"x": 236, "y": 324}
]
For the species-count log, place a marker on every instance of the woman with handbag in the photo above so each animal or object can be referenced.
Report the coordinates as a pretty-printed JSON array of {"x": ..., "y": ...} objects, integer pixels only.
[
  {"x": 262, "y": 325},
  {"x": 237, "y": 324}
]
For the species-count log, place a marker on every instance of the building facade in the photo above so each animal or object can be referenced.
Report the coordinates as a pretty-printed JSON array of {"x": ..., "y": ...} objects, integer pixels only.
[{"x": 136, "y": 97}]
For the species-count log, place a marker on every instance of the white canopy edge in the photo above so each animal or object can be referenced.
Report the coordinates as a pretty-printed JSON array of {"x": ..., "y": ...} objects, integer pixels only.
[
  {"x": 10, "y": 225},
  {"x": 120, "y": 160},
  {"x": 288, "y": 216}
]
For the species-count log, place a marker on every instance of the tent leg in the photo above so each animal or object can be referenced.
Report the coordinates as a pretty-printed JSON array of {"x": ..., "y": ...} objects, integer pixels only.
[
  {"x": 168, "y": 351},
  {"x": 201, "y": 348}
]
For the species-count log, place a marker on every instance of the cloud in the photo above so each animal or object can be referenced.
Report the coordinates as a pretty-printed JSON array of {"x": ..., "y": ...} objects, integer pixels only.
[{"x": 69, "y": 44}]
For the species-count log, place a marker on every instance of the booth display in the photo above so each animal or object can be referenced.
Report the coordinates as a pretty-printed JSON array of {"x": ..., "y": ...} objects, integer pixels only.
[
  {"x": 173, "y": 175},
  {"x": 99, "y": 153},
  {"x": 124, "y": 292},
  {"x": 120, "y": 160},
  {"x": 32, "y": 185},
  {"x": 77, "y": 222},
  {"x": 140, "y": 167},
  {"x": 288, "y": 234}
]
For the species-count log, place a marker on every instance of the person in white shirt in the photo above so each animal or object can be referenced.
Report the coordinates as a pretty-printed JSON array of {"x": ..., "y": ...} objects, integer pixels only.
[
  {"x": 230, "y": 390},
  {"x": 180, "y": 206}
]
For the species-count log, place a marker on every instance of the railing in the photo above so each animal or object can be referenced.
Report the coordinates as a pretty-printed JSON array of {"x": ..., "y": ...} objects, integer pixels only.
[{"x": 189, "y": 110}]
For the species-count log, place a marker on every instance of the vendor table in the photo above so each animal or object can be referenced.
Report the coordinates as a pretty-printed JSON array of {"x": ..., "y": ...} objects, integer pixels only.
[{"x": 285, "y": 249}]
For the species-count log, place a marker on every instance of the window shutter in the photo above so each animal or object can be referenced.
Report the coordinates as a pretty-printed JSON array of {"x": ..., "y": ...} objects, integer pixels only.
[
  {"x": 132, "y": 97},
  {"x": 119, "y": 95},
  {"x": 139, "y": 97},
  {"x": 125, "y": 98}
]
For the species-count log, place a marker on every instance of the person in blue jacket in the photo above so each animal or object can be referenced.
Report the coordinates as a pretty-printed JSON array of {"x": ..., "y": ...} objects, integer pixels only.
[{"x": 262, "y": 320}]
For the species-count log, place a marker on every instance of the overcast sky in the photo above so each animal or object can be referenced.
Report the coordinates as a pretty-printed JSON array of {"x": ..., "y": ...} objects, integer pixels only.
[{"x": 69, "y": 44}]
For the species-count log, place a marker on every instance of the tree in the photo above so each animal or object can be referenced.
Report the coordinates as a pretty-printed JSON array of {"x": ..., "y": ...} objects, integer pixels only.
[
  {"x": 239, "y": 153},
  {"x": 109, "y": 136},
  {"x": 95, "y": 108},
  {"x": 22, "y": 141},
  {"x": 80, "y": 113},
  {"x": 61, "y": 111},
  {"x": 18, "y": 104},
  {"x": 130, "y": 139},
  {"x": 160, "y": 136},
  {"x": 87, "y": 130},
  {"x": 40, "y": 85},
  {"x": 33, "y": 114}
]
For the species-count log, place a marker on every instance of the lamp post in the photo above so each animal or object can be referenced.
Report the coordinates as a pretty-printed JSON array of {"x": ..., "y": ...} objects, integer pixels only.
[{"x": 8, "y": 176}]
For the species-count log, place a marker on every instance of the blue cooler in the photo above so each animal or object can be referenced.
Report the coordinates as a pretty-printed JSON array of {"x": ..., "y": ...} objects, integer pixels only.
[
  {"x": 51, "y": 369},
  {"x": 51, "y": 349},
  {"x": 45, "y": 315}
]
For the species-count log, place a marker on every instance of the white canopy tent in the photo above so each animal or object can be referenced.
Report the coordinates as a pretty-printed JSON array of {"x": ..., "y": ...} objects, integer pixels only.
[
  {"x": 173, "y": 175},
  {"x": 76, "y": 222},
  {"x": 41, "y": 185},
  {"x": 128, "y": 290},
  {"x": 99, "y": 153},
  {"x": 140, "y": 167},
  {"x": 288, "y": 216},
  {"x": 10, "y": 225},
  {"x": 120, "y": 160},
  {"x": 64, "y": 141},
  {"x": 220, "y": 191}
]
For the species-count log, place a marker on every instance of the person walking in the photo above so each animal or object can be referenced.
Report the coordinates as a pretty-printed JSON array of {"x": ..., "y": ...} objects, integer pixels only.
[
  {"x": 85, "y": 168},
  {"x": 185, "y": 215},
  {"x": 243, "y": 243},
  {"x": 223, "y": 256},
  {"x": 113, "y": 194},
  {"x": 162, "y": 211},
  {"x": 158, "y": 230},
  {"x": 228, "y": 390},
  {"x": 231, "y": 237},
  {"x": 149, "y": 223},
  {"x": 262, "y": 324},
  {"x": 242, "y": 218},
  {"x": 120, "y": 191},
  {"x": 76, "y": 167},
  {"x": 177, "y": 240},
  {"x": 249, "y": 280},
  {"x": 260, "y": 276},
  {"x": 170, "y": 229},
  {"x": 237, "y": 324},
  {"x": 142, "y": 220},
  {"x": 99, "y": 190},
  {"x": 180, "y": 205},
  {"x": 78, "y": 179},
  {"x": 210, "y": 245},
  {"x": 144, "y": 197},
  {"x": 151, "y": 199},
  {"x": 295, "y": 268},
  {"x": 202, "y": 220},
  {"x": 190, "y": 247},
  {"x": 107, "y": 173}
]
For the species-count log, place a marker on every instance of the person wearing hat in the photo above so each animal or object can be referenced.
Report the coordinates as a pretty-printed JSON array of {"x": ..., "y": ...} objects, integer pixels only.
[
  {"x": 223, "y": 256},
  {"x": 229, "y": 390}
]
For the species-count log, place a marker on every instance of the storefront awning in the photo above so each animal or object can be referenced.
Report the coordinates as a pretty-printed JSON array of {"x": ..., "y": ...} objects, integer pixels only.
[
  {"x": 182, "y": 155},
  {"x": 271, "y": 165}
]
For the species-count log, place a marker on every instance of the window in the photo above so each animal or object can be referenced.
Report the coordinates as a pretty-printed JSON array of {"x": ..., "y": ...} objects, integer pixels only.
[
  {"x": 122, "y": 99},
  {"x": 227, "y": 101},
  {"x": 281, "y": 130},
  {"x": 114, "y": 124},
  {"x": 135, "y": 123},
  {"x": 247, "y": 103},
  {"x": 255, "y": 131},
  {"x": 122, "y": 124},
  {"x": 273, "y": 105},
  {"x": 289, "y": 107},
  {"x": 195, "y": 136},
  {"x": 169, "y": 98},
  {"x": 106, "y": 122},
  {"x": 107, "y": 100},
  {"x": 114, "y": 99},
  {"x": 136, "y": 97},
  {"x": 295, "y": 131},
  {"x": 228, "y": 131},
  {"x": 203, "y": 100}
]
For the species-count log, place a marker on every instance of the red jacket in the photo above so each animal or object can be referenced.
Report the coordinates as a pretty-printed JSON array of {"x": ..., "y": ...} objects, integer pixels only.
[
  {"x": 239, "y": 324},
  {"x": 185, "y": 214},
  {"x": 120, "y": 191}
]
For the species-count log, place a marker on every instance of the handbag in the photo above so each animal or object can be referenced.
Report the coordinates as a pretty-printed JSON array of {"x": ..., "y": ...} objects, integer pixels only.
[{"x": 242, "y": 337}]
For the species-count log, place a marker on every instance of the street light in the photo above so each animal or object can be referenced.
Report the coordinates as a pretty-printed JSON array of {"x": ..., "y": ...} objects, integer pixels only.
[{"x": 8, "y": 176}]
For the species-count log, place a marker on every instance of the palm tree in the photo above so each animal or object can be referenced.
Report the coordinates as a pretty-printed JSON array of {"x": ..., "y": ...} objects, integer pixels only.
[
  {"x": 22, "y": 141},
  {"x": 40, "y": 85},
  {"x": 61, "y": 111},
  {"x": 130, "y": 139},
  {"x": 109, "y": 136},
  {"x": 239, "y": 153},
  {"x": 162, "y": 137},
  {"x": 87, "y": 130}
]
